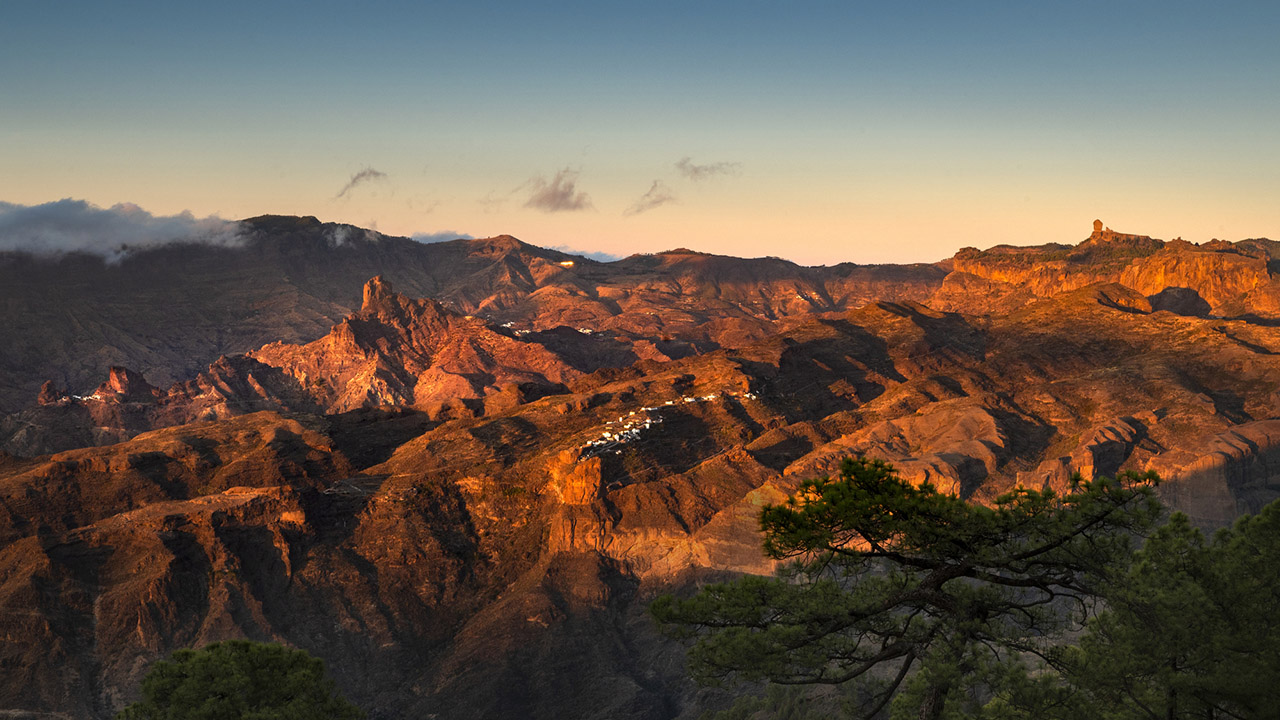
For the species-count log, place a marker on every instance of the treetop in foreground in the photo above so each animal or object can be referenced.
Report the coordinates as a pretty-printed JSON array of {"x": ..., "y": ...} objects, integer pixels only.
[
  {"x": 912, "y": 592},
  {"x": 240, "y": 680}
]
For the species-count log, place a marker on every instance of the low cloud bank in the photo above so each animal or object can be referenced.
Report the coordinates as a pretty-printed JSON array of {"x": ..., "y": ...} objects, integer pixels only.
[
  {"x": 442, "y": 236},
  {"x": 340, "y": 235},
  {"x": 71, "y": 226},
  {"x": 597, "y": 255}
]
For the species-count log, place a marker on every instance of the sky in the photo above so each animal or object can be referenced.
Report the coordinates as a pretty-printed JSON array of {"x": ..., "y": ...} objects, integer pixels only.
[{"x": 822, "y": 132}]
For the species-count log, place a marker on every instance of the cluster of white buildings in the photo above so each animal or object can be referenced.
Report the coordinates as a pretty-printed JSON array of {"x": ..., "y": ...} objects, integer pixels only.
[{"x": 632, "y": 425}]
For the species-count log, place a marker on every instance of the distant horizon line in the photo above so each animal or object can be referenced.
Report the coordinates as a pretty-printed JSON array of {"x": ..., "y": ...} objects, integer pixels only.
[{"x": 77, "y": 227}]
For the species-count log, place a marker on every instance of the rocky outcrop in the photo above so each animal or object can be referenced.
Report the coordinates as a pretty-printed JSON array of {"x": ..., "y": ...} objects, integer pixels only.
[
  {"x": 575, "y": 480},
  {"x": 402, "y": 351},
  {"x": 125, "y": 385}
]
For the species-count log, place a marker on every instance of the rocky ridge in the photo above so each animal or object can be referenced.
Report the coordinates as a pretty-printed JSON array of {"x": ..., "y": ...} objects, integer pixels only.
[{"x": 168, "y": 312}]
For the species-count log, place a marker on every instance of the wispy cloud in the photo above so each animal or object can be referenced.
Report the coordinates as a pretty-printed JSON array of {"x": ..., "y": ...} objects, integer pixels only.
[
  {"x": 363, "y": 176},
  {"x": 695, "y": 172},
  {"x": 442, "y": 236},
  {"x": 491, "y": 203},
  {"x": 559, "y": 195},
  {"x": 68, "y": 226},
  {"x": 658, "y": 195}
]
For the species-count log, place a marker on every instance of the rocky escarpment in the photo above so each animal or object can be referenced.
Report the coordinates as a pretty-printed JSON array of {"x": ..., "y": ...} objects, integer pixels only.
[{"x": 1216, "y": 278}]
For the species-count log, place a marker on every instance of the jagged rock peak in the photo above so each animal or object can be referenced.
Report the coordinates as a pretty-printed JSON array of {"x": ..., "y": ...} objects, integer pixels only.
[
  {"x": 123, "y": 381},
  {"x": 1102, "y": 232},
  {"x": 392, "y": 309},
  {"x": 1105, "y": 235},
  {"x": 377, "y": 293}
]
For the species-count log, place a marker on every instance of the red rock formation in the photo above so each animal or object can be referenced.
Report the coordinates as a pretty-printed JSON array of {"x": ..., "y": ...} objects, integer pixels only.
[
  {"x": 1227, "y": 279},
  {"x": 402, "y": 351},
  {"x": 51, "y": 395},
  {"x": 395, "y": 351},
  {"x": 125, "y": 385}
]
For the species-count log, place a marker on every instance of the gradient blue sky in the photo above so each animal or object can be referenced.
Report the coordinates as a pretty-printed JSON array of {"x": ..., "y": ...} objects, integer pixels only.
[{"x": 865, "y": 132}]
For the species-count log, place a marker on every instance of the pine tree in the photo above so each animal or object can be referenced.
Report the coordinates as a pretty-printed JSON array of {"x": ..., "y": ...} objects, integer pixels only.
[
  {"x": 920, "y": 595},
  {"x": 1193, "y": 629}
]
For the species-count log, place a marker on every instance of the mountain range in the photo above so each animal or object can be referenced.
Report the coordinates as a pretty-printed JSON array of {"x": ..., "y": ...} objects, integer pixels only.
[{"x": 459, "y": 471}]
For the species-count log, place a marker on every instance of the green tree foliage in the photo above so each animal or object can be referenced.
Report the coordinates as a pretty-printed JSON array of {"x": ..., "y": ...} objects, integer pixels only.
[
  {"x": 1193, "y": 629},
  {"x": 239, "y": 680},
  {"x": 917, "y": 594}
]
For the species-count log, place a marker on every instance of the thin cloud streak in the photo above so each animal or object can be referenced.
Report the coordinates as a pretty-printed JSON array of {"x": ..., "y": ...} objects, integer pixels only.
[
  {"x": 657, "y": 196},
  {"x": 559, "y": 195},
  {"x": 363, "y": 176},
  {"x": 491, "y": 204},
  {"x": 76, "y": 226},
  {"x": 692, "y": 171}
]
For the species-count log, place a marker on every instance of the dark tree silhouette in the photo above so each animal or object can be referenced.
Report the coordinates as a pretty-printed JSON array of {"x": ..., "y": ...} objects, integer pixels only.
[{"x": 917, "y": 594}]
